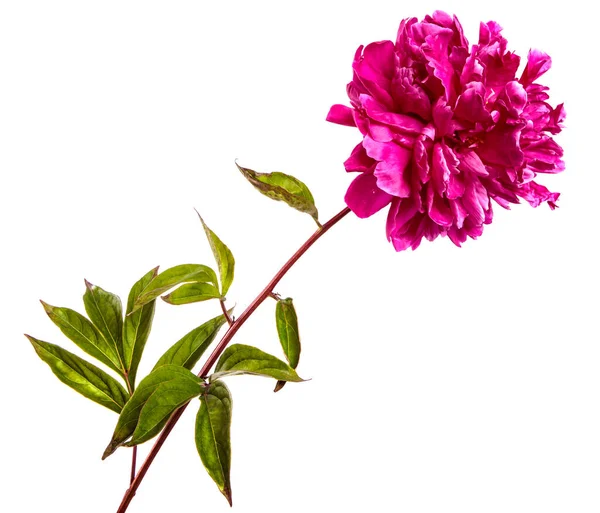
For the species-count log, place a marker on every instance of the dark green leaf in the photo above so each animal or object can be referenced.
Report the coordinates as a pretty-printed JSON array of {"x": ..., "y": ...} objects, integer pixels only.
[
  {"x": 242, "y": 359},
  {"x": 213, "y": 424},
  {"x": 185, "y": 273},
  {"x": 287, "y": 329},
  {"x": 282, "y": 187},
  {"x": 137, "y": 325},
  {"x": 167, "y": 398},
  {"x": 192, "y": 293},
  {"x": 187, "y": 351},
  {"x": 223, "y": 256},
  {"x": 160, "y": 381},
  {"x": 106, "y": 312},
  {"x": 82, "y": 376},
  {"x": 81, "y": 331}
]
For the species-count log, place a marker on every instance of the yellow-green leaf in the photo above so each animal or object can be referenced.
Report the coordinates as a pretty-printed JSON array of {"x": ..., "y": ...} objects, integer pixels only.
[
  {"x": 137, "y": 326},
  {"x": 223, "y": 256},
  {"x": 170, "y": 381},
  {"x": 213, "y": 425},
  {"x": 289, "y": 336},
  {"x": 242, "y": 359},
  {"x": 185, "y": 273},
  {"x": 189, "y": 349},
  {"x": 282, "y": 187},
  {"x": 192, "y": 293},
  {"x": 287, "y": 329},
  {"x": 81, "y": 376},
  {"x": 106, "y": 312},
  {"x": 84, "y": 334},
  {"x": 161, "y": 404}
]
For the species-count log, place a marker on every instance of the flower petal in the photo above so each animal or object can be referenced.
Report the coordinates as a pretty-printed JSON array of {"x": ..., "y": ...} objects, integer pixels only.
[
  {"x": 536, "y": 194},
  {"x": 470, "y": 162},
  {"x": 470, "y": 105},
  {"x": 341, "y": 115},
  {"x": 375, "y": 69},
  {"x": 359, "y": 160},
  {"x": 410, "y": 96},
  {"x": 538, "y": 63},
  {"x": 391, "y": 167},
  {"x": 402, "y": 122},
  {"x": 400, "y": 213},
  {"x": 440, "y": 172},
  {"x": 513, "y": 98},
  {"x": 364, "y": 197},
  {"x": 501, "y": 146},
  {"x": 438, "y": 209},
  {"x": 475, "y": 200}
]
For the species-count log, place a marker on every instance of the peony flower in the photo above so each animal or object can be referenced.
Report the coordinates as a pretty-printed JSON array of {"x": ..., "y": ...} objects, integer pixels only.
[{"x": 447, "y": 129}]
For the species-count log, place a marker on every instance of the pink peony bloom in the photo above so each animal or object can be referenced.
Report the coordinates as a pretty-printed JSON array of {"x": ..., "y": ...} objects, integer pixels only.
[{"x": 446, "y": 129}]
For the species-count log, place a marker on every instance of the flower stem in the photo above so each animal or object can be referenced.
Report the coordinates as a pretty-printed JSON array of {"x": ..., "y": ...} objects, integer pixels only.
[
  {"x": 133, "y": 462},
  {"x": 130, "y": 388},
  {"x": 225, "y": 312},
  {"x": 234, "y": 326}
]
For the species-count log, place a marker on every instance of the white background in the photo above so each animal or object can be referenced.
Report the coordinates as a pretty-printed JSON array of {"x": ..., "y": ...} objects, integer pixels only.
[{"x": 442, "y": 380}]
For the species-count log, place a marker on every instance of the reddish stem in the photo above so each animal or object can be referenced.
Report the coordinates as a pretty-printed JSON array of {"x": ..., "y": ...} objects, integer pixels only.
[
  {"x": 133, "y": 462},
  {"x": 134, "y": 452},
  {"x": 225, "y": 312},
  {"x": 212, "y": 359}
]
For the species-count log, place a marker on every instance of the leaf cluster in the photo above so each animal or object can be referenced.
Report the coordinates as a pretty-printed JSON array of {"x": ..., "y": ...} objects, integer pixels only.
[{"x": 115, "y": 337}]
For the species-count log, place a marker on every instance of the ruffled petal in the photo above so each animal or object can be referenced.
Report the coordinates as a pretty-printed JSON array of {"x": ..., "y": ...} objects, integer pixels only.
[
  {"x": 409, "y": 96},
  {"x": 537, "y": 64},
  {"x": 401, "y": 212},
  {"x": 364, "y": 198},
  {"x": 456, "y": 186},
  {"x": 513, "y": 99},
  {"x": 470, "y": 162},
  {"x": 475, "y": 200},
  {"x": 375, "y": 69},
  {"x": 546, "y": 150},
  {"x": 392, "y": 161},
  {"x": 470, "y": 105},
  {"x": 438, "y": 209},
  {"x": 421, "y": 161},
  {"x": 359, "y": 160},
  {"x": 501, "y": 146},
  {"x": 442, "y": 119},
  {"x": 437, "y": 52},
  {"x": 341, "y": 115},
  {"x": 401, "y": 122},
  {"x": 440, "y": 172},
  {"x": 536, "y": 194}
]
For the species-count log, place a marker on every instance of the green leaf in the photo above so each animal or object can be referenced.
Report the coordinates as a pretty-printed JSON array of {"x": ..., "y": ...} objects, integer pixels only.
[
  {"x": 167, "y": 398},
  {"x": 137, "y": 326},
  {"x": 223, "y": 256},
  {"x": 287, "y": 328},
  {"x": 83, "y": 333},
  {"x": 185, "y": 273},
  {"x": 289, "y": 336},
  {"x": 192, "y": 293},
  {"x": 282, "y": 187},
  {"x": 147, "y": 408},
  {"x": 106, "y": 312},
  {"x": 213, "y": 425},
  {"x": 82, "y": 376},
  {"x": 242, "y": 359},
  {"x": 189, "y": 349}
]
